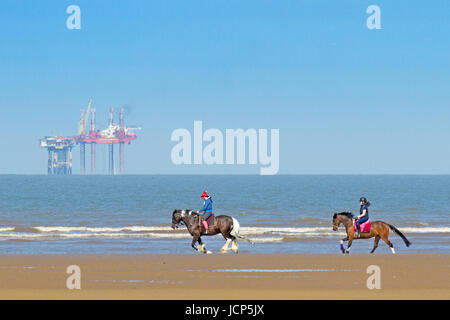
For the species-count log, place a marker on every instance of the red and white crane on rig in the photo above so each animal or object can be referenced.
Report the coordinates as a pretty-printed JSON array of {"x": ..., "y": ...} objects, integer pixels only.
[
  {"x": 113, "y": 134},
  {"x": 84, "y": 117}
]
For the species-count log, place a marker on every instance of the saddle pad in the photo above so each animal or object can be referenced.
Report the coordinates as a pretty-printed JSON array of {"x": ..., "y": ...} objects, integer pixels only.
[
  {"x": 365, "y": 226},
  {"x": 211, "y": 220}
]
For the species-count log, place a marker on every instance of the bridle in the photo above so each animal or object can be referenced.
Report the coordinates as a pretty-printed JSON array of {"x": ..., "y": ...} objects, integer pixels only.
[
  {"x": 336, "y": 225},
  {"x": 183, "y": 214},
  {"x": 339, "y": 222}
]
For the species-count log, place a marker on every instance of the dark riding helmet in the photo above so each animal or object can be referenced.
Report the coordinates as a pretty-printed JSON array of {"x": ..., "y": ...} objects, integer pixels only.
[{"x": 363, "y": 200}]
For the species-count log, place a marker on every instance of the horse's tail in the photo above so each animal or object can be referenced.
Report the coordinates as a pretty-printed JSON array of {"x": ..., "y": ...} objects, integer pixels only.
[
  {"x": 400, "y": 234},
  {"x": 235, "y": 231}
]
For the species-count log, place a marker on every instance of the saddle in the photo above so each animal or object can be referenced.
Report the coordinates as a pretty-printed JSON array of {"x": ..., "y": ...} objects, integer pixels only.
[
  {"x": 365, "y": 226},
  {"x": 211, "y": 220}
]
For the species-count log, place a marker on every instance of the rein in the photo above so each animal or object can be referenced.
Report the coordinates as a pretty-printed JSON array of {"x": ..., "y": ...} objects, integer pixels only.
[
  {"x": 348, "y": 222},
  {"x": 186, "y": 217}
]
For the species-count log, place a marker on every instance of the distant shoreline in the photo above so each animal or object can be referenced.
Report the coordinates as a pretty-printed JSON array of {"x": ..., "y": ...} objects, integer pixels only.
[{"x": 235, "y": 174}]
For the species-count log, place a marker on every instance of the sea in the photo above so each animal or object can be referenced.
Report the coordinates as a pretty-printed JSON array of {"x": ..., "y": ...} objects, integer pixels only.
[{"x": 131, "y": 214}]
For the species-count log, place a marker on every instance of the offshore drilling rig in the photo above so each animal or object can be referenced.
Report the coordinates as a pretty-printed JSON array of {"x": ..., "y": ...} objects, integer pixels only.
[
  {"x": 59, "y": 154},
  {"x": 60, "y": 148}
]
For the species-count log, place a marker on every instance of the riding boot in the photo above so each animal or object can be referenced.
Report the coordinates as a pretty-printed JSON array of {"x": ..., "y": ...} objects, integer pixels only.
[{"x": 358, "y": 227}]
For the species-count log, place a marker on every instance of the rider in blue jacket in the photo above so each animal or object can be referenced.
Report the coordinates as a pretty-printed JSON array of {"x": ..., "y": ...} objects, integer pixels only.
[{"x": 207, "y": 209}]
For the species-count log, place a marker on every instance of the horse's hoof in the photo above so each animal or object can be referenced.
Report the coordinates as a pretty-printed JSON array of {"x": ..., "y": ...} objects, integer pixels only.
[
  {"x": 223, "y": 251},
  {"x": 208, "y": 252}
]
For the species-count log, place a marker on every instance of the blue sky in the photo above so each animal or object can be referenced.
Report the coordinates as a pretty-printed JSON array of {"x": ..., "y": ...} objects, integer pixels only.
[{"x": 346, "y": 99}]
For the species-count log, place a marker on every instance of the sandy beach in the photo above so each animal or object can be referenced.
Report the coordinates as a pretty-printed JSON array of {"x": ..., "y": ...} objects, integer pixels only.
[{"x": 259, "y": 277}]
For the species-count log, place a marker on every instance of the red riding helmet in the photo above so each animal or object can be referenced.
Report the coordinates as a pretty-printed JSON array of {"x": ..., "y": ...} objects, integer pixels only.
[{"x": 204, "y": 194}]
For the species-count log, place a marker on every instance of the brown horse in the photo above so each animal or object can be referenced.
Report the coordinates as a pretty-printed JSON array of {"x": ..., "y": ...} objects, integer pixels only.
[
  {"x": 226, "y": 225},
  {"x": 378, "y": 229}
]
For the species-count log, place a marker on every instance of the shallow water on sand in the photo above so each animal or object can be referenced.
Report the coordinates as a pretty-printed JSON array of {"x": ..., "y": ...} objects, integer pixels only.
[{"x": 286, "y": 214}]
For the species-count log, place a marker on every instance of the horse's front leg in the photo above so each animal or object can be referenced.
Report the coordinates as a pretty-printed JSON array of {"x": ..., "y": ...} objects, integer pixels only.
[
  {"x": 342, "y": 244},
  {"x": 195, "y": 238},
  {"x": 201, "y": 247},
  {"x": 350, "y": 240}
]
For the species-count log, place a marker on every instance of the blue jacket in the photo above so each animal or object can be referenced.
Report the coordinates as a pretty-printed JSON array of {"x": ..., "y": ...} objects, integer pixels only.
[{"x": 207, "y": 206}]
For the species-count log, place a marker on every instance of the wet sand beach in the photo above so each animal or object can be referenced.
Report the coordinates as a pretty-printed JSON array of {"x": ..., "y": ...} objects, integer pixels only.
[{"x": 226, "y": 277}]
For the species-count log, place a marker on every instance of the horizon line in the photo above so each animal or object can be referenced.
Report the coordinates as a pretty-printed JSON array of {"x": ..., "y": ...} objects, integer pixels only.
[{"x": 234, "y": 174}]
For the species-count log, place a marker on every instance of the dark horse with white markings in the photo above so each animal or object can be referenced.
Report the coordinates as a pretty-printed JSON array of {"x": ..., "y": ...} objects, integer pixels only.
[
  {"x": 226, "y": 225},
  {"x": 378, "y": 229}
]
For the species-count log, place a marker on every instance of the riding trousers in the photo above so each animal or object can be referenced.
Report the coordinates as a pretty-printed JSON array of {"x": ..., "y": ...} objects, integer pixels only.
[{"x": 362, "y": 220}]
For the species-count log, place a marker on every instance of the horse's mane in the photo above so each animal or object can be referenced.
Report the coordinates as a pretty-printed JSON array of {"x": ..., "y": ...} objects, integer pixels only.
[
  {"x": 188, "y": 212},
  {"x": 184, "y": 210},
  {"x": 347, "y": 214}
]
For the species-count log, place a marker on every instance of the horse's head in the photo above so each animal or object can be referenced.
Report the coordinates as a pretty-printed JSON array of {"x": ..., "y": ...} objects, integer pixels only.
[
  {"x": 336, "y": 222},
  {"x": 177, "y": 217},
  {"x": 339, "y": 218}
]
